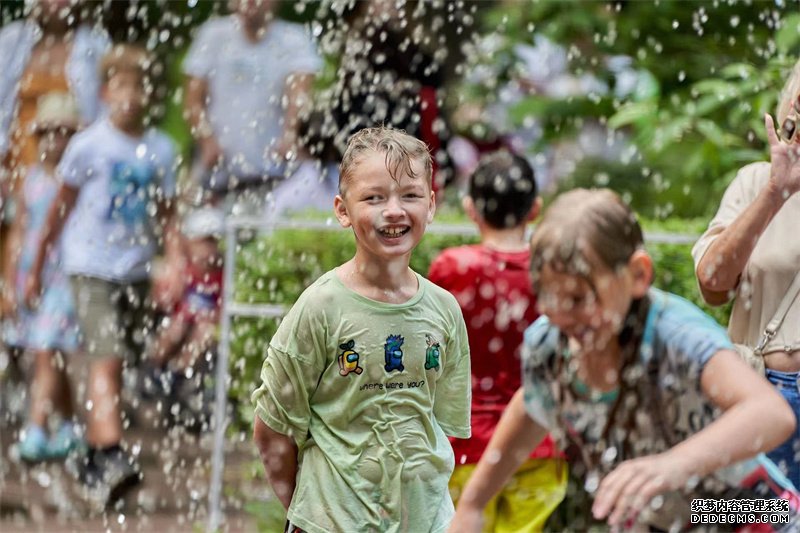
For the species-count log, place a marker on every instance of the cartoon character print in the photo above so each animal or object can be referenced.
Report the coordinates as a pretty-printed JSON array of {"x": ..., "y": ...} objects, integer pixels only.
[
  {"x": 129, "y": 191},
  {"x": 348, "y": 359},
  {"x": 432, "y": 353},
  {"x": 393, "y": 353}
]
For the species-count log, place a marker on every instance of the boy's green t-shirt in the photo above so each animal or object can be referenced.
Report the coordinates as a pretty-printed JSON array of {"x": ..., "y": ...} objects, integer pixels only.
[{"x": 369, "y": 391}]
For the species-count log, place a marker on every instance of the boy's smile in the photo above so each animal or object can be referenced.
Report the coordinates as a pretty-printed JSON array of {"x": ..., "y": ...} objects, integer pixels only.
[{"x": 388, "y": 216}]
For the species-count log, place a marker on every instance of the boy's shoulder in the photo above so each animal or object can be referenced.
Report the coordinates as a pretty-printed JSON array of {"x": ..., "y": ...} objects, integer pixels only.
[
  {"x": 89, "y": 142},
  {"x": 217, "y": 26},
  {"x": 460, "y": 259}
]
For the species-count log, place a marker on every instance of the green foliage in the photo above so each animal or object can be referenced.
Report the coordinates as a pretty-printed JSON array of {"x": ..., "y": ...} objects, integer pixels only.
[{"x": 707, "y": 73}]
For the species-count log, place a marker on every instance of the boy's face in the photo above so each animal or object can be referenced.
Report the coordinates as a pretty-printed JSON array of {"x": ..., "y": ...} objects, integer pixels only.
[
  {"x": 203, "y": 252},
  {"x": 126, "y": 98},
  {"x": 388, "y": 217}
]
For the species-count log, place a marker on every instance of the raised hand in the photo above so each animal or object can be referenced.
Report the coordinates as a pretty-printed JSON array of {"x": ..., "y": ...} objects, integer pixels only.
[{"x": 785, "y": 161}]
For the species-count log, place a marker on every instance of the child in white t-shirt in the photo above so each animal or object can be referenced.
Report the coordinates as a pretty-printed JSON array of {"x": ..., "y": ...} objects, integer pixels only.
[{"x": 118, "y": 184}]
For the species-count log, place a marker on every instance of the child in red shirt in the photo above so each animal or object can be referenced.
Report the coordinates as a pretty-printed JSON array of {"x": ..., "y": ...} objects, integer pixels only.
[
  {"x": 491, "y": 282},
  {"x": 184, "y": 347}
]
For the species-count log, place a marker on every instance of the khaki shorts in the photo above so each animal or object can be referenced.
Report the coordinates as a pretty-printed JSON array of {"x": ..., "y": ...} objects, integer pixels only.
[{"x": 113, "y": 317}]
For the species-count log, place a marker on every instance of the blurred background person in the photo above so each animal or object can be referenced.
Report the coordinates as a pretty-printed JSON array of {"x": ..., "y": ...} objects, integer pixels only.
[
  {"x": 248, "y": 76},
  {"x": 49, "y": 51},
  {"x": 48, "y": 332}
]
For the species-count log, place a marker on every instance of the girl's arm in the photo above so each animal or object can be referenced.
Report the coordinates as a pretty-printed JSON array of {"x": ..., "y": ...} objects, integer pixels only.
[
  {"x": 513, "y": 440},
  {"x": 279, "y": 455},
  {"x": 59, "y": 211},
  {"x": 756, "y": 419},
  {"x": 10, "y": 298}
]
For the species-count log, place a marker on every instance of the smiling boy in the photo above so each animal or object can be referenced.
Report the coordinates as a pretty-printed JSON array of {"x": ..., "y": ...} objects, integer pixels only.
[{"x": 349, "y": 450}]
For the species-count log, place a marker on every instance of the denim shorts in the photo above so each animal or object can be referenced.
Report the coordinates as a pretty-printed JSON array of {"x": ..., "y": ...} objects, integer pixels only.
[{"x": 787, "y": 455}]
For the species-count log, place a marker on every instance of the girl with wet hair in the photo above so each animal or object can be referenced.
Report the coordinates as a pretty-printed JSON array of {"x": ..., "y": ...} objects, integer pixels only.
[{"x": 640, "y": 387}]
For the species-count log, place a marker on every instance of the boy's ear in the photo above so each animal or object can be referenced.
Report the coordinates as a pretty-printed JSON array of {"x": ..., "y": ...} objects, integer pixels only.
[
  {"x": 432, "y": 207},
  {"x": 641, "y": 267},
  {"x": 340, "y": 210},
  {"x": 469, "y": 208},
  {"x": 536, "y": 208}
]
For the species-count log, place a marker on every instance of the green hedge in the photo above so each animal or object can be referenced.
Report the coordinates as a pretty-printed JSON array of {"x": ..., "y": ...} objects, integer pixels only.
[{"x": 276, "y": 268}]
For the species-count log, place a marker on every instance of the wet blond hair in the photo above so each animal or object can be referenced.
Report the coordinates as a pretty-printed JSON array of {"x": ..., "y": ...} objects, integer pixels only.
[
  {"x": 126, "y": 58},
  {"x": 583, "y": 227},
  {"x": 400, "y": 148},
  {"x": 789, "y": 93}
]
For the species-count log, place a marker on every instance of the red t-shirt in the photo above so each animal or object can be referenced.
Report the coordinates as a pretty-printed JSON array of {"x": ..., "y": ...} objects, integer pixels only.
[
  {"x": 494, "y": 291},
  {"x": 203, "y": 295}
]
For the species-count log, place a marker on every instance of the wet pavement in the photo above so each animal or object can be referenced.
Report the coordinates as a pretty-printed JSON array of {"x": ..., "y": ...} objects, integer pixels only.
[{"x": 172, "y": 497}]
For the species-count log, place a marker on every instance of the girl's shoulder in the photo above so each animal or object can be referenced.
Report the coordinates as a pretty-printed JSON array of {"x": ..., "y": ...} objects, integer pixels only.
[{"x": 678, "y": 328}]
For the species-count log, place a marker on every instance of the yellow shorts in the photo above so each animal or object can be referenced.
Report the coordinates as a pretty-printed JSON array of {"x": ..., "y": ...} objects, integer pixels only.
[{"x": 528, "y": 499}]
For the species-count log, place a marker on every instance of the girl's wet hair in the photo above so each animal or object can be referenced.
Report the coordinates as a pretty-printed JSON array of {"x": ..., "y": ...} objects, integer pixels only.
[
  {"x": 583, "y": 228},
  {"x": 401, "y": 150}
]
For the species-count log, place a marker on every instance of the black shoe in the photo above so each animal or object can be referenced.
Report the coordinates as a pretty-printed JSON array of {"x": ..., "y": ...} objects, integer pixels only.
[
  {"x": 156, "y": 383},
  {"x": 108, "y": 475},
  {"x": 193, "y": 400}
]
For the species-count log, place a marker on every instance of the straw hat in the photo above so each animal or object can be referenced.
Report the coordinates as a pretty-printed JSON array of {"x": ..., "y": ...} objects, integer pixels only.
[{"x": 56, "y": 109}]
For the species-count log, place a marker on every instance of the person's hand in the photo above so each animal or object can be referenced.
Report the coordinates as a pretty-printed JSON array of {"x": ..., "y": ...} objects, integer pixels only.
[
  {"x": 33, "y": 288},
  {"x": 168, "y": 282},
  {"x": 785, "y": 161},
  {"x": 8, "y": 302},
  {"x": 631, "y": 486},
  {"x": 467, "y": 519},
  {"x": 287, "y": 147},
  {"x": 211, "y": 152}
]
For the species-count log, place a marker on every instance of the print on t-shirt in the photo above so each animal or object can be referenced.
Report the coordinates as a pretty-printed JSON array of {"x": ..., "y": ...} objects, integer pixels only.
[
  {"x": 348, "y": 359},
  {"x": 128, "y": 191},
  {"x": 393, "y": 353},
  {"x": 432, "y": 353}
]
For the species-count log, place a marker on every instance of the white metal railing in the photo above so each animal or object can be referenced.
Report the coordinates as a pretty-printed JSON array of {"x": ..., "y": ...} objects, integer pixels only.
[{"x": 230, "y": 309}]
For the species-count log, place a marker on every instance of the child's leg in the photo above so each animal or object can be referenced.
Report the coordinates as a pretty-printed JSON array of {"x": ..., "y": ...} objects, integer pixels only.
[
  {"x": 201, "y": 337},
  {"x": 45, "y": 387},
  {"x": 103, "y": 419},
  {"x": 168, "y": 340},
  {"x": 531, "y": 496}
]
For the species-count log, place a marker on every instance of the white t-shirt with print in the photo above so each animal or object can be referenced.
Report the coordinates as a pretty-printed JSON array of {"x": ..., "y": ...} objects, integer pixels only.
[
  {"x": 110, "y": 231},
  {"x": 245, "y": 84}
]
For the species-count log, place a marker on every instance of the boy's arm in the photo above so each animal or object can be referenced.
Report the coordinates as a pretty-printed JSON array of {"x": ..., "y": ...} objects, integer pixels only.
[
  {"x": 279, "y": 456},
  {"x": 513, "y": 440},
  {"x": 297, "y": 97},
  {"x": 59, "y": 211},
  {"x": 196, "y": 114},
  {"x": 756, "y": 419}
]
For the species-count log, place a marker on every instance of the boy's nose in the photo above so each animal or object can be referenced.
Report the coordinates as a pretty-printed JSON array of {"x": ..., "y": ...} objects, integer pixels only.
[{"x": 393, "y": 208}]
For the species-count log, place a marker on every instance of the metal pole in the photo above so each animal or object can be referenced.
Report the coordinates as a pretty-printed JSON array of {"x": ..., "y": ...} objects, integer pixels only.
[{"x": 220, "y": 417}]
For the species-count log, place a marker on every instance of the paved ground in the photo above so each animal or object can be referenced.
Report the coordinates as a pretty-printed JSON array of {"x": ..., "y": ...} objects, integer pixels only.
[{"x": 173, "y": 496}]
